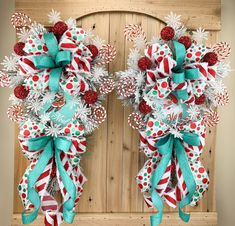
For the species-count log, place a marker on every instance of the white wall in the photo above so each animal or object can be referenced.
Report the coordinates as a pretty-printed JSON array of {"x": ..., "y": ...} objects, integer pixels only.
[
  {"x": 7, "y": 39},
  {"x": 225, "y": 136},
  {"x": 225, "y": 165}
]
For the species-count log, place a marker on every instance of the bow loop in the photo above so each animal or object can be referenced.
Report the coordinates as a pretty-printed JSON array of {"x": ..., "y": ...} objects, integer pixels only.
[
  {"x": 62, "y": 144},
  {"x": 56, "y": 61},
  {"x": 191, "y": 138},
  {"x": 38, "y": 143},
  {"x": 165, "y": 145},
  {"x": 63, "y": 58}
]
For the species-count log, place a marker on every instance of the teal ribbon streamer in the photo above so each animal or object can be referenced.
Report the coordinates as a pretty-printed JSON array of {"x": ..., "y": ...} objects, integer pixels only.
[
  {"x": 179, "y": 74},
  {"x": 60, "y": 144},
  {"x": 56, "y": 60},
  {"x": 166, "y": 146}
]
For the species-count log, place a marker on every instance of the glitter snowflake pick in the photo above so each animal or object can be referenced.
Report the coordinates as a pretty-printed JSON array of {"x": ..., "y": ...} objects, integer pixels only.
[
  {"x": 173, "y": 20},
  {"x": 53, "y": 16},
  {"x": 200, "y": 35}
]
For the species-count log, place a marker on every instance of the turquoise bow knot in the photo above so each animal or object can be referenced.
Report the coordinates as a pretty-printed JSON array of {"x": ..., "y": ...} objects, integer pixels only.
[
  {"x": 48, "y": 144},
  {"x": 56, "y": 60},
  {"x": 179, "y": 74},
  {"x": 166, "y": 145}
]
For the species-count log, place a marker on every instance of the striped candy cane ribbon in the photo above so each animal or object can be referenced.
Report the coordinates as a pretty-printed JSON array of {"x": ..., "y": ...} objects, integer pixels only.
[
  {"x": 49, "y": 145},
  {"x": 166, "y": 146}
]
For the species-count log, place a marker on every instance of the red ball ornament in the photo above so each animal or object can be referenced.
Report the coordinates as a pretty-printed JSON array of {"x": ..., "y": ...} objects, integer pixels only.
[
  {"x": 144, "y": 107},
  {"x": 211, "y": 58},
  {"x": 90, "y": 97},
  {"x": 59, "y": 28},
  {"x": 93, "y": 49},
  {"x": 167, "y": 33},
  {"x": 200, "y": 100},
  {"x": 186, "y": 41},
  {"x": 21, "y": 92},
  {"x": 19, "y": 48},
  {"x": 144, "y": 63}
]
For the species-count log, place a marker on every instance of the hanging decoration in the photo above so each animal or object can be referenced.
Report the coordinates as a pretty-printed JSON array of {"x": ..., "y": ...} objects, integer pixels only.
[
  {"x": 59, "y": 81},
  {"x": 174, "y": 84}
]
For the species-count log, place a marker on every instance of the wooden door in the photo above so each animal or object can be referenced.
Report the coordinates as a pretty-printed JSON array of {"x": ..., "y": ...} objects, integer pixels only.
[{"x": 111, "y": 196}]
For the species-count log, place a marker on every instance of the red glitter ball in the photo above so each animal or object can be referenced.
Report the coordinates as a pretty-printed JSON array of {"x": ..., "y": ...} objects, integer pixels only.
[
  {"x": 20, "y": 92},
  {"x": 167, "y": 33},
  {"x": 93, "y": 49},
  {"x": 200, "y": 100},
  {"x": 90, "y": 97},
  {"x": 18, "y": 48},
  {"x": 144, "y": 63},
  {"x": 186, "y": 41},
  {"x": 59, "y": 28},
  {"x": 211, "y": 58},
  {"x": 144, "y": 107}
]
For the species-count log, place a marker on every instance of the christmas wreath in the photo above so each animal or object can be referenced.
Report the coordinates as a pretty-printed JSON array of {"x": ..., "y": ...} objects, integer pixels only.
[
  {"x": 59, "y": 81},
  {"x": 174, "y": 84}
]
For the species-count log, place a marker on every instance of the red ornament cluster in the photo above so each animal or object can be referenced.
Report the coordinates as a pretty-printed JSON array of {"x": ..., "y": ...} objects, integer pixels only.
[
  {"x": 93, "y": 49},
  {"x": 200, "y": 100},
  {"x": 21, "y": 92},
  {"x": 144, "y": 63},
  {"x": 211, "y": 58},
  {"x": 167, "y": 33},
  {"x": 90, "y": 97},
  {"x": 59, "y": 28},
  {"x": 186, "y": 41},
  {"x": 144, "y": 107},
  {"x": 19, "y": 48}
]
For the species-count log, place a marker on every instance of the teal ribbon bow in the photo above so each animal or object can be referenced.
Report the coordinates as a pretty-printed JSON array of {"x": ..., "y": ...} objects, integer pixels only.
[
  {"x": 166, "y": 145},
  {"x": 179, "y": 74},
  {"x": 56, "y": 60},
  {"x": 48, "y": 144}
]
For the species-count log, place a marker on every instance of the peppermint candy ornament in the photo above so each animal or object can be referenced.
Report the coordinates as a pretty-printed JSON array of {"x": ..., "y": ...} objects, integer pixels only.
[
  {"x": 222, "y": 49},
  {"x": 56, "y": 103},
  {"x": 126, "y": 87},
  {"x": 16, "y": 113},
  {"x": 107, "y": 53},
  {"x": 173, "y": 88},
  {"x": 20, "y": 20},
  {"x": 4, "y": 79}
]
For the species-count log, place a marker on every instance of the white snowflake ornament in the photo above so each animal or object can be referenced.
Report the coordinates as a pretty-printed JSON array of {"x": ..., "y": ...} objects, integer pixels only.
[
  {"x": 71, "y": 23},
  {"x": 200, "y": 35},
  {"x": 53, "y": 16},
  {"x": 173, "y": 20}
]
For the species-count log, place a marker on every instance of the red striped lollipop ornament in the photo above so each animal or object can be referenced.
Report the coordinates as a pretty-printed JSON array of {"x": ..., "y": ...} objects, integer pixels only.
[
  {"x": 132, "y": 31},
  {"x": 211, "y": 118},
  {"x": 4, "y": 79},
  {"x": 99, "y": 114},
  {"x": 222, "y": 49},
  {"x": 107, "y": 53},
  {"x": 20, "y": 20},
  {"x": 16, "y": 113},
  {"x": 135, "y": 121}
]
